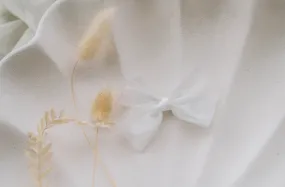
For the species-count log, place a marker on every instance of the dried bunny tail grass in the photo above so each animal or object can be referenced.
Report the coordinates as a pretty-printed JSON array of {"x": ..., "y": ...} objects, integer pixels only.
[
  {"x": 90, "y": 46},
  {"x": 38, "y": 151},
  {"x": 99, "y": 30},
  {"x": 100, "y": 114},
  {"x": 92, "y": 41},
  {"x": 102, "y": 107}
]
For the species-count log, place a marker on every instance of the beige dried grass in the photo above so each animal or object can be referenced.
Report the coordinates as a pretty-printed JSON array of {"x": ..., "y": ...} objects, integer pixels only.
[
  {"x": 92, "y": 41},
  {"x": 39, "y": 151},
  {"x": 102, "y": 108},
  {"x": 90, "y": 46},
  {"x": 97, "y": 33}
]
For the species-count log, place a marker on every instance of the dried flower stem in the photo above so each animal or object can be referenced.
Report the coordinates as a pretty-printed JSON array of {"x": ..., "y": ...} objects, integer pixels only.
[
  {"x": 105, "y": 168},
  {"x": 107, "y": 172},
  {"x": 95, "y": 156},
  {"x": 91, "y": 42},
  {"x": 101, "y": 110},
  {"x": 89, "y": 46},
  {"x": 72, "y": 84},
  {"x": 100, "y": 113},
  {"x": 99, "y": 160}
]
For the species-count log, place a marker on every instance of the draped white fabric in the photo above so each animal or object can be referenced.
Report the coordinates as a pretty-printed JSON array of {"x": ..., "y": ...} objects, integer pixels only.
[
  {"x": 225, "y": 58},
  {"x": 18, "y": 22}
]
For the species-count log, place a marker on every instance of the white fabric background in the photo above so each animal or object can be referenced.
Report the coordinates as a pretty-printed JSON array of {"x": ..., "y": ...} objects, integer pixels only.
[
  {"x": 18, "y": 22},
  {"x": 235, "y": 47}
]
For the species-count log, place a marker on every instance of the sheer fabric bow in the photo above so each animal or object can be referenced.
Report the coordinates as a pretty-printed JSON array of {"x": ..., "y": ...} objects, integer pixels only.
[{"x": 144, "y": 112}]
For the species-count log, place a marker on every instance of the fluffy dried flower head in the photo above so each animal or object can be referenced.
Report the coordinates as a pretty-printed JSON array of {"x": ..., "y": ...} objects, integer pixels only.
[
  {"x": 102, "y": 107},
  {"x": 96, "y": 34}
]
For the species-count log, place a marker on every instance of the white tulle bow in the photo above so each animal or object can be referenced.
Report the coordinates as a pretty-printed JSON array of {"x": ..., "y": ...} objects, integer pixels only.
[{"x": 145, "y": 112}]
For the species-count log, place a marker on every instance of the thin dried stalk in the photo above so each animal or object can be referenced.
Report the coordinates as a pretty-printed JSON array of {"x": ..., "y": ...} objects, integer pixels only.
[
  {"x": 38, "y": 151},
  {"x": 105, "y": 168},
  {"x": 100, "y": 114},
  {"x": 95, "y": 156}
]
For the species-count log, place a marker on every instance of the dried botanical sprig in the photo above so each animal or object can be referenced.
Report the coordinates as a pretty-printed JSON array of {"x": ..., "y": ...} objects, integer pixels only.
[
  {"x": 102, "y": 108},
  {"x": 100, "y": 114},
  {"x": 38, "y": 151},
  {"x": 39, "y": 154},
  {"x": 92, "y": 41},
  {"x": 96, "y": 34},
  {"x": 90, "y": 45}
]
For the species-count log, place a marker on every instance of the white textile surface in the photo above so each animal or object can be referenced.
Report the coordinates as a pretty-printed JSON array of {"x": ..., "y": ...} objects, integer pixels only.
[
  {"x": 18, "y": 22},
  {"x": 227, "y": 57}
]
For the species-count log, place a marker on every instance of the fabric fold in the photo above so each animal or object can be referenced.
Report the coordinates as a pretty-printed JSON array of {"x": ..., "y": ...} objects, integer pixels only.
[
  {"x": 29, "y": 11},
  {"x": 147, "y": 36},
  {"x": 27, "y": 15}
]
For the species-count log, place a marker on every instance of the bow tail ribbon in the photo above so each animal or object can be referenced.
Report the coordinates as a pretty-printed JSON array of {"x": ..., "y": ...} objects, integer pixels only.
[{"x": 139, "y": 126}]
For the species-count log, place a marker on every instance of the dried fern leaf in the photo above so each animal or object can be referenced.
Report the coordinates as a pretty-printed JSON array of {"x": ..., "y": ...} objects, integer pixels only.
[
  {"x": 40, "y": 128},
  {"x": 43, "y": 126},
  {"x": 47, "y": 156},
  {"x": 31, "y": 155},
  {"x": 45, "y": 149},
  {"x": 46, "y": 172},
  {"x": 43, "y": 122},
  {"x": 32, "y": 144},
  {"x": 47, "y": 121},
  {"x": 60, "y": 121},
  {"x": 32, "y": 149},
  {"x": 52, "y": 114},
  {"x": 38, "y": 151},
  {"x": 33, "y": 140}
]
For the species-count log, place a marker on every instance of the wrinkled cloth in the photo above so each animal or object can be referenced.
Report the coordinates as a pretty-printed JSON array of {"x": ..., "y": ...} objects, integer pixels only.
[
  {"x": 236, "y": 48},
  {"x": 18, "y": 22}
]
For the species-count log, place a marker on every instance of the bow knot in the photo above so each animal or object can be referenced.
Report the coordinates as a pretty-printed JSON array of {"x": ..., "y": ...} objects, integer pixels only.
[
  {"x": 164, "y": 104},
  {"x": 145, "y": 112}
]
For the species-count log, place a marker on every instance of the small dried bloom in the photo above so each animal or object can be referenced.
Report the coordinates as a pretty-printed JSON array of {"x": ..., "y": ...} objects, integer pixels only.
[{"x": 102, "y": 107}]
